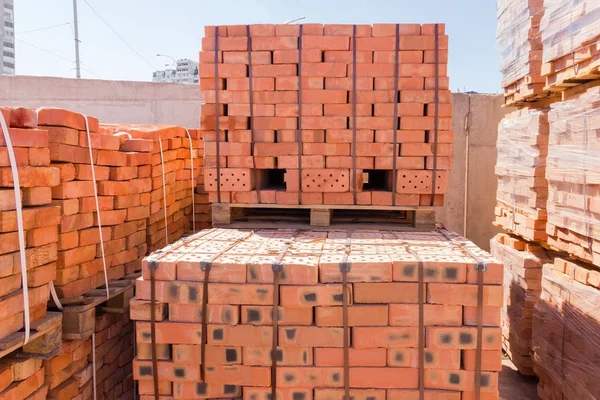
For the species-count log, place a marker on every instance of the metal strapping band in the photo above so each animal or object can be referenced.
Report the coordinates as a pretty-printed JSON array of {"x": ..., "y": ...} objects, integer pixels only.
[
  {"x": 217, "y": 116},
  {"x": 436, "y": 115},
  {"x": 277, "y": 268},
  {"x": 345, "y": 267},
  {"x": 152, "y": 266},
  {"x": 421, "y": 343},
  {"x": 299, "y": 130},
  {"x": 353, "y": 177},
  {"x": 252, "y": 137},
  {"x": 395, "y": 129}
]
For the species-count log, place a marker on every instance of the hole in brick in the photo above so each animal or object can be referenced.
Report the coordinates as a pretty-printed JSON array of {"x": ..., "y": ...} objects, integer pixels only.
[
  {"x": 378, "y": 179},
  {"x": 271, "y": 179}
]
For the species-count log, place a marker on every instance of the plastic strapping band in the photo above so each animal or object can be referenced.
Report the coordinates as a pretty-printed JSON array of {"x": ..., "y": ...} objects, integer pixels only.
[
  {"x": 193, "y": 185},
  {"x": 17, "y": 189},
  {"x": 152, "y": 266},
  {"x": 164, "y": 188},
  {"x": 354, "y": 178},
  {"x": 217, "y": 116},
  {"x": 585, "y": 197},
  {"x": 277, "y": 268},
  {"x": 252, "y": 136},
  {"x": 94, "y": 363},
  {"x": 481, "y": 267},
  {"x": 206, "y": 267},
  {"x": 87, "y": 129},
  {"x": 395, "y": 131},
  {"x": 345, "y": 267},
  {"x": 436, "y": 115},
  {"x": 299, "y": 130}
]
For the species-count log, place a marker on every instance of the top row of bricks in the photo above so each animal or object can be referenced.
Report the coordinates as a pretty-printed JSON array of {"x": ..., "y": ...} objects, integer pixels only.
[{"x": 375, "y": 30}]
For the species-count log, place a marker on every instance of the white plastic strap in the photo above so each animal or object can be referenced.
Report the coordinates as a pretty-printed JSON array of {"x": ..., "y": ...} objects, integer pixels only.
[
  {"x": 123, "y": 134},
  {"x": 162, "y": 162},
  {"x": 21, "y": 231},
  {"x": 87, "y": 129},
  {"x": 94, "y": 363},
  {"x": 193, "y": 186},
  {"x": 55, "y": 296}
]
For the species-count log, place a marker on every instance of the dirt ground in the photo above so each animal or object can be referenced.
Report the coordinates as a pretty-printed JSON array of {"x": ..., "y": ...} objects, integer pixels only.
[{"x": 514, "y": 386}]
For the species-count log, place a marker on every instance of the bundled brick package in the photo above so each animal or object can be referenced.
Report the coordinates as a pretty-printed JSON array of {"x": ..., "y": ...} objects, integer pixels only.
[
  {"x": 573, "y": 173},
  {"x": 326, "y": 114},
  {"x": 201, "y": 217},
  {"x": 520, "y": 45},
  {"x": 566, "y": 325},
  {"x": 521, "y": 167},
  {"x": 40, "y": 221},
  {"x": 376, "y": 314},
  {"x": 570, "y": 32},
  {"x": 523, "y": 263},
  {"x": 169, "y": 183}
]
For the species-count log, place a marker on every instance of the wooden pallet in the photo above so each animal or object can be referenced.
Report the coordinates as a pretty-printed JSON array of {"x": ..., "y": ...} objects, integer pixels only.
[
  {"x": 79, "y": 313},
  {"x": 265, "y": 215},
  {"x": 44, "y": 339}
]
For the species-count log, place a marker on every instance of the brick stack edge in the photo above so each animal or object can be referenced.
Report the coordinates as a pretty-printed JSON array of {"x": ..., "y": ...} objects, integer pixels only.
[
  {"x": 326, "y": 86},
  {"x": 62, "y": 238},
  {"x": 40, "y": 219},
  {"x": 548, "y": 192},
  {"x": 383, "y": 316}
]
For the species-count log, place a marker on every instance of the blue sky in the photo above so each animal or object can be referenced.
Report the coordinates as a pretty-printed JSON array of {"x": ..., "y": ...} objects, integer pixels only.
[{"x": 176, "y": 27}]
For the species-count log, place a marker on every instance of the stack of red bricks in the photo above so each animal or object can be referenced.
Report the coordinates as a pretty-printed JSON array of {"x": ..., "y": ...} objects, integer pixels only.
[
  {"x": 262, "y": 153},
  {"x": 121, "y": 179},
  {"x": 40, "y": 221},
  {"x": 383, "y": 314},
  {"x": 570, "y": 34},
  {"x": 69, "y": 374},
  {"x": 566, "y": 324},
  {"x": 521, "y": 167},
  {"x": 573, "y": 177},
  {"x": 22, "y": 379},
  {"x": 523, "y": 263},
  {"x": 173, "y": 168},
  {"x": 520, "y": 44},
  {"x": 202, "y": 209}
]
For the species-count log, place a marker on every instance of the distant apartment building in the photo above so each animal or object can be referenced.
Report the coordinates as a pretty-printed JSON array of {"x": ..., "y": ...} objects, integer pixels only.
[
  {"x": 185, "y": 72},
  {"x": 7, "y": 37}
]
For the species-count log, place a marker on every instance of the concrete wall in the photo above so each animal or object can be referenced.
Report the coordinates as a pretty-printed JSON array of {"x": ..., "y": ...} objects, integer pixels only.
[
  {"x": 475, "y": 125},
  {"x": 110, "y": 101},
  {"x": 166, "y": 103}
]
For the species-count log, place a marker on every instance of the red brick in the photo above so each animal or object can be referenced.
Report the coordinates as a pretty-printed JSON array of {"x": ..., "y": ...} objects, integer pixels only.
[
  {"x": 170, "y": 333},
  {"x": 399, "y": 394},
  {"x": 325, "y": 69},
  {"x": 346, "y": 110},
  {"x": 291, "y": 56},
  {"x": 294, "y": 29},
  {"x": 241, "y": 57},
  {"x": 26, "y": 138},
  {"x": 310, "y": 296},
  {"x": 491, "y": 360},
  {"x": 274, "y": 43},
  {"x": 290, "y": 356},
  {"x": 346, "y": 30},
  {"x": 435, "y": 314},
  {"x": 347, "y": 84},
  {"x": 260, "y": 110},
  {"x": 291, "y": 83},
  {"x": 464, "y": 338},
  {"x": 258, "y": 85},
  {"x": 217, "y": 313},
  {"x": 274, "y": 70},
  {"x": 61, "y": 117},
  {"x": 374, "y": 293},
  {"x": 262, "y": 315},
  {"x": 401, "y": 378},
  {"x": 291, "y": 110},
  {"x": 403, "y": 110},
  {"x": 425, "y": 149},
  {"x": 434, "y": 358},
  {"x": 445, "y": 379},
  {"x": 424, "y": 96},
  {"x": 374, "y": 337},
  {"x": 195, "y": 390},
  {"x": 491, "y": 316},
  {"x": 225, "y": 44},
  {"x": 347, "y": 56},
  {"x": 334, "y": 357},
  {"x": 308, "y": 377},
  {"x": 466, "y": 295},
  {"x": 326, "y": 149},
  {"x": 389, "y": 30},
  {"x": 324, "y": 96},
  {"x": 387, "y": 136},
  {"x": 385, "y": 83},
  {"x": 256, "y": 393},
  {"x": 240, "y": 335},
  {"x": 225, "y": 70},
  {"x": 376, "y": 315},
  {"x": 346, "y": 162}
]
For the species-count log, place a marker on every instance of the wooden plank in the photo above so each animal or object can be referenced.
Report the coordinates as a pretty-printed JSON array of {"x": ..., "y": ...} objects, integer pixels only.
[
  {"x": 48, "y": 324},
  {"x": 320, "y": 217}
]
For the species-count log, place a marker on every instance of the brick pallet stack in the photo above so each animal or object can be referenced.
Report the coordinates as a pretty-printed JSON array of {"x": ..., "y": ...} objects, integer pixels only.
[
  {"x": 383, "y": 315},
  {"x": 567, "y": 326},
  {"x": 177, "y": 178},
  {"x": 202, "y": 207},
  {"x": 519, "y": 42},
  {"x": 574, "y": 180},
  {"x": 570, "y": 32},
  {"x": 259, "y": 152},
  {"x": 521, "y": 167},
  {"x": 40, "y": 221},
  {"x": 80, "y": 264},
  {"x": 523, "y": 263},
  {"x": 22, "y": 379},
  {"x": 69, "y": 374}
]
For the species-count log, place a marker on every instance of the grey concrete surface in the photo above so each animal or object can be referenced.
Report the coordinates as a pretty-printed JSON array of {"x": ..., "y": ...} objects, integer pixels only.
[
  {"x": 111, "y": 101},
  {"x": 475, "y": 124}
]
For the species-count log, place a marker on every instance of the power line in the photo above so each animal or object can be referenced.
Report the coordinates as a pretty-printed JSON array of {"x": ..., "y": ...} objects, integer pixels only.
[
  {"x": 42, "y": 29},
  {"x": 45, "y": 51},
  {"x": 119, "y": 36}
]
